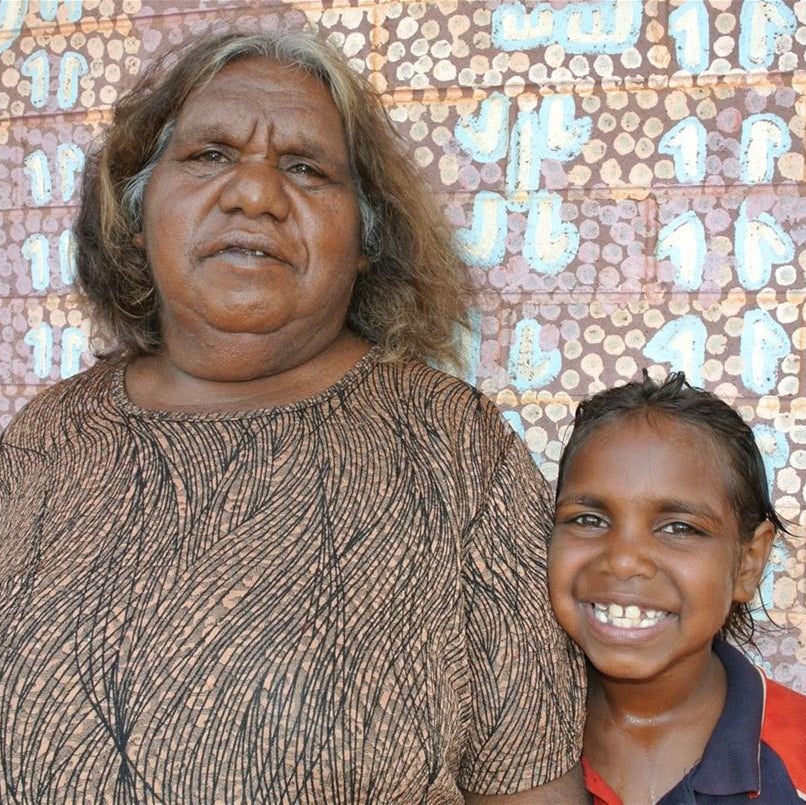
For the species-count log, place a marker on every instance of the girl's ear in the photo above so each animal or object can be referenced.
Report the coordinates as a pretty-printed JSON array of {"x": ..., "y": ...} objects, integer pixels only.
[{"x": 752, "y": 562}]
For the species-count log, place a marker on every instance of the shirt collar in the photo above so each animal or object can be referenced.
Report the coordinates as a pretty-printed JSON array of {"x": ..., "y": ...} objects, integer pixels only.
[{"x": 730, "y": 763}]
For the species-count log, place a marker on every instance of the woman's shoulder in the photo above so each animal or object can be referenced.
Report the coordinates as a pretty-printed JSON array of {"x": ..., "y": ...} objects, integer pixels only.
[
  {"x": 431, "y": 389},
  {"x": 47, "y": 413}
]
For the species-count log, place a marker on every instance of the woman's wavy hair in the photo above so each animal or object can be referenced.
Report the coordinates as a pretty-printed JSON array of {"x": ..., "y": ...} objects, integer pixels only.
[
  {"x": 679, "y": 401},
  {"x": 412, "y": 300}
]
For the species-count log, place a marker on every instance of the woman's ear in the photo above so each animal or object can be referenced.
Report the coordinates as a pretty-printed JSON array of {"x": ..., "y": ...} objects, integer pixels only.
[{"x": 753, "y": 561}]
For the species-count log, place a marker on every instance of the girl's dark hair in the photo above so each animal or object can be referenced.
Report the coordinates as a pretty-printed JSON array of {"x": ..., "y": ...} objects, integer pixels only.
[{"x": 678, "y": 400}]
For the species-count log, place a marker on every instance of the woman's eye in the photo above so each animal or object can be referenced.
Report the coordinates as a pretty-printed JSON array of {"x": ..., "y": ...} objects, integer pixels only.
[
  {"x": 304, "y": 169},
  {"x": 210, "y": 155}
]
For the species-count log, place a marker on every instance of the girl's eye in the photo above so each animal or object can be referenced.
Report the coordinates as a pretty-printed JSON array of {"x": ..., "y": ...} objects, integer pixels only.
[
  {"x": 588, "y": 521},
  {"x": 681, "y": 529}
]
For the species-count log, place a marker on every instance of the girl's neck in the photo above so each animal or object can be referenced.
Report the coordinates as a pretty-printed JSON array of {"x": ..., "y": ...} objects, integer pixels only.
[{"x": 644, "y": 736}]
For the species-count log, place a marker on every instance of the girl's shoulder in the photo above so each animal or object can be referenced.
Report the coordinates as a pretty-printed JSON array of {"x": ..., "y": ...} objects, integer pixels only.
[{"x": 784, "y": 729}]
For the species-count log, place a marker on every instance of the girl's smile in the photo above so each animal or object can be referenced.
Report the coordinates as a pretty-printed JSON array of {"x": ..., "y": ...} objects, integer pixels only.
[{"x": 645, "y": 552}]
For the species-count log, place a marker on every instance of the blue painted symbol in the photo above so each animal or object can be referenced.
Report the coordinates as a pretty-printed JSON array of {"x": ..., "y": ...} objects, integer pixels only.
[
  {"x": 40, "y": 339},
  {"x": 36, "y": 250},
  {"x": 484, "y": 243},
  {"x": 71, "y": 68},
  {"x": 71, "y": 162},
  {"x": 49, "y": 8},
  {"x": 36, "y": 168},
  {"x": 484, "y": 135},
  {"x": 765, "y": 137},
  {"x": 763, "y": 345},
  {"x": 530, "y": 366},
  {"x": 549, "y": 243},
  {"x": 683, "y": 242},
  {"x": 470, "y": 347},
  {"x": 761, "y": 23},
  {"x": 37, "y": 68},
  {"x": 760, "y": 243},
  {"x": 74, "y": 342},
  {"x": 681, "y": 344},
  {"x": 688, "y": 24},
  {"x": 67, "y": 257},
  {"x": 774, "y": 449},
  {"x": 515, "y": 421},
  {"x": 515, "y": 28},
  {"x": 12, "y": 14},
  {"x": 686, "y": 143},
  {"x": 608, "y": 26}
]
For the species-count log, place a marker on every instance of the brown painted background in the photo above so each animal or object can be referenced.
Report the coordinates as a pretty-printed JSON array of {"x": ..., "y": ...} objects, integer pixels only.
[{"x": 627, "y": 179}]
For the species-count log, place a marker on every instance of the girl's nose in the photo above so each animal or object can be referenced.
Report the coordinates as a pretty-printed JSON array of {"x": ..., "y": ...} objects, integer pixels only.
[
  {"x": 629, "y": 553},
  {"x": 255, "y": 188}
]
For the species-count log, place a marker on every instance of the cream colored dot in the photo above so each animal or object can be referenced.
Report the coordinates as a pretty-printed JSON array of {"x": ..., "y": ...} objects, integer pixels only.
[
  {"x": 635, "y": 339},
  {"x": 592, "y": 365},
  {"x": 593, "y": 151},
  {"x": 519, "y": 62},
  {"x": 653, "y": 127},
  {"x": 645, "y": 148},
  {"x": 445, "y": 71},
  {"x": 659, "y": 56},
  {"x": 626, "y": 367},
  {"x": 578, "y": 65},
  {"x": 594, "y": 334},
  {"x": 406, "y": 28},
  {"x": 603, "y": 65},
  {"x": 653, "y": 319},
  {"x": 430, "y": 29},
  {"x": 733, "y": 365},
  {"x": 573, "y": 349},
  {"x": 617, "y": 99},
  {"x": 611, "y": 171},
  {"x": 579, "y": 175},
  {"x": 591, "y": 103},
  {"x": 631, "y": 58},
  {"x": 614, "y": 345},
  {"x": 624, "y": 143},
  {"x": 536, "y": 439},
  {"x": 569, "y": 379},
  {"x": 108, "y": 95},
  {"x": 112, "y": 73},
  {"x": 554, "y": 55},
  {"x": 664, "y": 169}
]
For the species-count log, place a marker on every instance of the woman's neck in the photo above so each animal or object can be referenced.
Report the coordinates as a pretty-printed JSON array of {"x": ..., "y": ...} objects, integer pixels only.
[{"x": 247, "y": 377}]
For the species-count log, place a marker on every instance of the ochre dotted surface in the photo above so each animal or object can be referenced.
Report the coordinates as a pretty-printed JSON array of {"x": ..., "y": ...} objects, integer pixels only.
[{"x": 626, "y": 178}]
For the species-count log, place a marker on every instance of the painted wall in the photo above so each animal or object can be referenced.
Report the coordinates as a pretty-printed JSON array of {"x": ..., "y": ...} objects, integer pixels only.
[{"x": 626, "y": 178}]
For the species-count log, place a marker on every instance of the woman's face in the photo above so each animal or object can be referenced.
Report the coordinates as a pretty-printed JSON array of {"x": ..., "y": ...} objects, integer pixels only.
[{"x": 251, "y": 221}]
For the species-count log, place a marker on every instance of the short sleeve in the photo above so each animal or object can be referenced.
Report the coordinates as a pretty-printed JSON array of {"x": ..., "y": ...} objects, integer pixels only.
[{"x": 527, "y": 679}]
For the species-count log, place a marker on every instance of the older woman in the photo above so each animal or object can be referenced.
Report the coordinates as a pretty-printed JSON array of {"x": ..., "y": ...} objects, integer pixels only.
[{"x": 261, "y": 552}]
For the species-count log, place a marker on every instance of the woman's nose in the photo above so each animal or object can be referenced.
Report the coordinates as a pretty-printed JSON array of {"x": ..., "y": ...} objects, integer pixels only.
[
  {"x": 255, "y": 188},
  {"x": 629, "y": 553}
]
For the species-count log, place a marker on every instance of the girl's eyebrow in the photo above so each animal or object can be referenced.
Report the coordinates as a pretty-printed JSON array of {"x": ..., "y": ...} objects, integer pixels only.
[
  {"x": 581, "y": 500},
  {"x": 673, "y": 506}
]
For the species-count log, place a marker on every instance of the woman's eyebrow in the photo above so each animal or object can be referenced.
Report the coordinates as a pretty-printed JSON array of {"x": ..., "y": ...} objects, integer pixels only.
[{"x": 676, "y": 506}]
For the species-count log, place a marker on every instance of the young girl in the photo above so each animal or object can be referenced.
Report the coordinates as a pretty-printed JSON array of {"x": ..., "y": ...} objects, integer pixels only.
[{"x": 662, "y": 530}]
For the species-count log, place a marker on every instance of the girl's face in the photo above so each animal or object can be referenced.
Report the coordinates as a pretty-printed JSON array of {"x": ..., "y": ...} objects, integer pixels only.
[{"x": 645, "y": 559}]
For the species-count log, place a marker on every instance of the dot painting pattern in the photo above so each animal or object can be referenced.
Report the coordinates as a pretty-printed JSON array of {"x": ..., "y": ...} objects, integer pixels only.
[{"x": 625, "y": 178}]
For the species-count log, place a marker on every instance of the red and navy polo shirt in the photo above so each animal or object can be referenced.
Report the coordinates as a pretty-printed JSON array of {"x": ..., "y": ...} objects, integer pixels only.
[{"x": 756, "y": 753}]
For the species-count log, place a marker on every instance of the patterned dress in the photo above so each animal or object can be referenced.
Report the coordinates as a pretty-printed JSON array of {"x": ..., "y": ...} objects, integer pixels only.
[{"x": 341, "y": 600}]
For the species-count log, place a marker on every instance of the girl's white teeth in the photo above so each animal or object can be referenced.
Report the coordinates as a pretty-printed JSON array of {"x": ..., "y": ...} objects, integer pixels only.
[{"x": 629, "y": 617}]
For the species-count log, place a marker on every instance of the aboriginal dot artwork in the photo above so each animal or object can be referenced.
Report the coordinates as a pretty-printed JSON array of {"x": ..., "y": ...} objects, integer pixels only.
[{"x": 625, "y": 178}]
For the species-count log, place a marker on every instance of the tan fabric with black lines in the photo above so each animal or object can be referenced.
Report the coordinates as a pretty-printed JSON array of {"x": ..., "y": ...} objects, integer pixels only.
[{"x": 342, "y": 600}]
